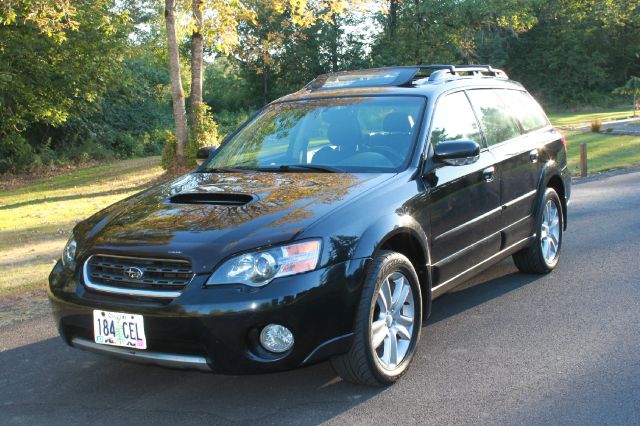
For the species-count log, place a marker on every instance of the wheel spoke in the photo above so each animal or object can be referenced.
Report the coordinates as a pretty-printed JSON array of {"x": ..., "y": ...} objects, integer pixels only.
[
  {"x": 378, "y": 333},
  {"x": 385, "y": 293},
  {"x": 393, "y": 350},
  {"x": 555, "y": 219},
  {"x": 384, "y": 299},
  {"x": 403, "y": 332},
  {"x": 404, "y": 321},
  {"x": 545, "y": 247},
  {"x": 548, "y": 212},
  {"x": 402, "y": 298},
  {"x": 398, "y": 283}
]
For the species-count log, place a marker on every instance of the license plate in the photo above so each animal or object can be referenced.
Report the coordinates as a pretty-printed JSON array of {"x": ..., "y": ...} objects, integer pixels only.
[{"x": 119, "y": 329}]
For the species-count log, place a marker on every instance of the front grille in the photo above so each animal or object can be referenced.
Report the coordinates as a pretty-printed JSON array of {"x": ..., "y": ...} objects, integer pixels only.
[{"x": 136, "y": 276}]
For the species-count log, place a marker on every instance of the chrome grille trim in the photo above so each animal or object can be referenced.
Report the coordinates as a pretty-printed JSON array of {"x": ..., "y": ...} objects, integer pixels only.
[{"x": 92, "y": 278}]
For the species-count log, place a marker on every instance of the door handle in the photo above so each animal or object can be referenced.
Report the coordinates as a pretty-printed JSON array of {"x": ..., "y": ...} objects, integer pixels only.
[
  {"x": 489, "y": 174},
  {"x": 533, "y": 155}
]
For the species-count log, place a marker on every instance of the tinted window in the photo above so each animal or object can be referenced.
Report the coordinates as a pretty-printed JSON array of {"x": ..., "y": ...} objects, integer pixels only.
[
  {"x": 496, "y": 121},
  {"x": 336, "y": 132},
  {"x": 527, "y": 111},
  {"x": 454, "y": 119}
]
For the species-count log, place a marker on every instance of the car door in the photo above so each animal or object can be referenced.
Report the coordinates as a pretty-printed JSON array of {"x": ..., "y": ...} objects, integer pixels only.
[
  {"x": 517, "y": 157},
  {"x": 463, "y": 201}
]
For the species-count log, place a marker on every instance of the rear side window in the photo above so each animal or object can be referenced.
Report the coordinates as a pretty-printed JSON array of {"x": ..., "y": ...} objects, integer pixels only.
[
  {"x": 496, "y": 121},
  {"x": 454, "y": 119},
  {"x": 525, "y": 109}
]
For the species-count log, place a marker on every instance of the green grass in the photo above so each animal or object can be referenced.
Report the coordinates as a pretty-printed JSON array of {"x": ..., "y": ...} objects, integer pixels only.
[
  {"x": 36, "y": 219},
  {"x": 604, "y": 151},
  {"x": 575, "y": 119}
]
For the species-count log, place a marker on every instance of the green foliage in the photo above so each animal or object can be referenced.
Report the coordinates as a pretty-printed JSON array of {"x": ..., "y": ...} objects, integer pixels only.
[
  {"x": 88, "y": 79},
  {"x": 631, "y": 87},
  {"x": 15, "y": 154},
  {"x": 205, "y": 133},
  {"x": 97, "y": 93},
  {"x": 229, "y": 121},
  {"x": 169, "y": 159}
]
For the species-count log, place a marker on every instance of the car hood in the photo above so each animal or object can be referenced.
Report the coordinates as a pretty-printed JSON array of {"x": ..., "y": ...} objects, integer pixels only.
[{"x": 218, "y": 214}]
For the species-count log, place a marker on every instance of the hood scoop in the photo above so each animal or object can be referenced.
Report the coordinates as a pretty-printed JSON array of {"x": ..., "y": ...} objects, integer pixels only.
[{"x": 212, "y": 198}]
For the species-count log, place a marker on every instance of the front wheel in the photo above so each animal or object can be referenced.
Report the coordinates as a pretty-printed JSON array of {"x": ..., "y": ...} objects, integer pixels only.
[
  {"x": 387, "y": 326},
  {"x": 543, "y": 255}
]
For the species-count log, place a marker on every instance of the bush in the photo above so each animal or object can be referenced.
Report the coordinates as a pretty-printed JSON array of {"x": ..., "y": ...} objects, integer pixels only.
[
  {"x": 168, "y": 160},
  {"x": 124, "y": 145},
  {"x": 154, "y": 142},
  {"x": 596, "y": 125},
  {"x": 205, "y": 134},
  {"x": 16, "y": 155}
]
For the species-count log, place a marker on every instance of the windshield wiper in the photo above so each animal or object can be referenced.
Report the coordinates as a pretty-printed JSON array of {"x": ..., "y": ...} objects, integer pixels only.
[
  {"x": 224, "y": 170},
  {"x": 303, "y": 167}
]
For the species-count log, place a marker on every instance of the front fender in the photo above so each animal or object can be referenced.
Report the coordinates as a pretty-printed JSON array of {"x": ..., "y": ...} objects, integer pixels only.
[
  {"x": 559, "y": 178},
  {"x": 384, "y": 230}
]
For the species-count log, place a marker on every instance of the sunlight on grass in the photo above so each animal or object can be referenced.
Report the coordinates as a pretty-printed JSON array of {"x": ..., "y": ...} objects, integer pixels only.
[
  {"x": 36, "y": 220},
  {"x": 575, "y": 119},
  {"x": 604, "y": 152}
]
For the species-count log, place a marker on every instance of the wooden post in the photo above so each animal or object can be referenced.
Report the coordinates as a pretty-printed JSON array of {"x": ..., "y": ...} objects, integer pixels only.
[{"x": 583, "y": 159}]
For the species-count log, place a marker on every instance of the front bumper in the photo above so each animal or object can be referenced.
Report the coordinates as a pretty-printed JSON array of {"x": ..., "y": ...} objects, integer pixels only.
[{"x": 217, "y": 328}]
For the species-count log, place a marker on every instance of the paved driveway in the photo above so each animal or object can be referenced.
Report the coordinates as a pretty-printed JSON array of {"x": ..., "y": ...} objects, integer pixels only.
[{"x": 504, "y": 348}]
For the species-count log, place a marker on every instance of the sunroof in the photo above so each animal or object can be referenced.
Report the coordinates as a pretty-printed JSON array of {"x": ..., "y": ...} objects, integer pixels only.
[{"x": 365, "y": 78}]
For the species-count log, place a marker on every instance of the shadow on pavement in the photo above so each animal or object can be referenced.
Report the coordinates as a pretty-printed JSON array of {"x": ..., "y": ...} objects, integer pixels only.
[{"x": 492, "y": 284}]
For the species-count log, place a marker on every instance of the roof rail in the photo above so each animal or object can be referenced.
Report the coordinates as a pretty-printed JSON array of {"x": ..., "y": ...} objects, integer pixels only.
[
  {"x": 399, "y": 76},
  {"x": 479, "y": 70}
]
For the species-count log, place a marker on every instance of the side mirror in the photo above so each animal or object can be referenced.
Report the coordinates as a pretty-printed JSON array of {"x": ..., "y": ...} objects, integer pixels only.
[
  {"x": 457, "y": 152},
  {"x": 203, "y": 154}
]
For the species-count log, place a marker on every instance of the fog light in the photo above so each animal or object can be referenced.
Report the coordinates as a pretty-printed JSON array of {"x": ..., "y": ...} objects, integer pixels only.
[{"x": 276, "y": 338}]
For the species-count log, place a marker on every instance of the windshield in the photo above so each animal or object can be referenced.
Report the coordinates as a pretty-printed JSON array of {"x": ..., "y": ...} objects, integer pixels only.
[{"x": 355, "y": 134}]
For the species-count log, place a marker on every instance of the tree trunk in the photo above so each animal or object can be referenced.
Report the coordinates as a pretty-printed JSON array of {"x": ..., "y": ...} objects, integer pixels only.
[
  {"x": 265, "y": 85},
  {"x": 197, "y": 64},
  {"x": 179, "y": 111},
  {"x": 393, "y": 17},
  {"x": 335, "y": 34}
]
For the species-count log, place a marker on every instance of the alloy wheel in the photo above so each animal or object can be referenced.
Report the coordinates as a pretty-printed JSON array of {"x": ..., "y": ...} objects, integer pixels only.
[
  {"x": 550, "y": 232},
  {"x": 393, "y": 321}
]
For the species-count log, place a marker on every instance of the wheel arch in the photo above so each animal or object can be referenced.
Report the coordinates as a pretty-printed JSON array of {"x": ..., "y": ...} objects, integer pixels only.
[
  {"x": 551, "y": 177},
  {"x": 404, "y": 235}
]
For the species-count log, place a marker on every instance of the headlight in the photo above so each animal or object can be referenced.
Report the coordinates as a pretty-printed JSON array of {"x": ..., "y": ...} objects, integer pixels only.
[
  {"x": 69, "y": 254},
  {"x": 260, "y": 267}
]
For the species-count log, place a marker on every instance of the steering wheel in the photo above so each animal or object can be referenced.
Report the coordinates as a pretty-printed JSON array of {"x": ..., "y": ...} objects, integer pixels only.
[{"x": 389, "y": 153}]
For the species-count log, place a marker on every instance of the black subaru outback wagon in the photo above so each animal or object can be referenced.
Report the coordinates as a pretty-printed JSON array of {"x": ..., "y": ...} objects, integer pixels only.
[{"x": 323, "y": 227}]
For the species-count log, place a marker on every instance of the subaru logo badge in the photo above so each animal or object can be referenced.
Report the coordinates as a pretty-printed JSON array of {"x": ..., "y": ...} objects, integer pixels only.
[{"x": 134, "y": 273}]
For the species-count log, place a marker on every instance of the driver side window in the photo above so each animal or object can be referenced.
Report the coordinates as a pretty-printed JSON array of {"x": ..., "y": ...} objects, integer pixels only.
[{"x": 454, "y": 119}]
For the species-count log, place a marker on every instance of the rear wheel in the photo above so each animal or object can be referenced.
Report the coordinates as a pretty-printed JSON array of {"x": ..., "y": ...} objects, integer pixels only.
[
  {"x": 388, "y": 322},
  {"x": 543, "y": 255}
]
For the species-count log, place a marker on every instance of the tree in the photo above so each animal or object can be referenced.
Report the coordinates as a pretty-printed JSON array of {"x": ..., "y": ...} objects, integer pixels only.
[
  {"x": 216, "y": 23},
  {"x": 197, "y": 63},
  {"x": 631, "y": 88},
  {"x": 179, "y": 110},
  {"x": 51, "y": 17}
]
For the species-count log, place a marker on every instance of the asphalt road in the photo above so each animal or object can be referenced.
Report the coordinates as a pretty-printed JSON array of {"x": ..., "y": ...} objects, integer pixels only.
[{"x": 505, "y": 348}]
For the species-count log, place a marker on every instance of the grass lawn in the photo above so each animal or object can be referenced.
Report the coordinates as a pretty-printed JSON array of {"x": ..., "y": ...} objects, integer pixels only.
[
  {"x": 604, "y": 151},
  {"x": 36, "y": 220},
  {"x": 575, "y": 119}
]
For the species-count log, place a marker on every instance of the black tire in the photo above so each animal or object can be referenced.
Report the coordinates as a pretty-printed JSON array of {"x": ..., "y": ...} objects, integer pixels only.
[
  {"x": 531, "y": 259},
  {"x": 361, "y": 365}
]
